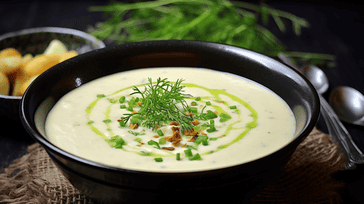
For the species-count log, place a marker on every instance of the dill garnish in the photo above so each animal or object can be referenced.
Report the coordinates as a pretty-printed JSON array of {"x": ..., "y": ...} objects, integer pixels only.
[{"x": 162, "y": 102}]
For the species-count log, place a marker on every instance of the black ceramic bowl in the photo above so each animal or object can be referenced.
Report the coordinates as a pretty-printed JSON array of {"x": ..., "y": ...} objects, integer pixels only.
[
  {"x": 35, "y": 41},
  {"x": 117, "y": 185}
]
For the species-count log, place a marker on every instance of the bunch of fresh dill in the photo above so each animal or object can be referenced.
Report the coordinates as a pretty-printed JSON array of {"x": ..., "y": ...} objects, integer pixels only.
[{"x": 221, "y": 21}]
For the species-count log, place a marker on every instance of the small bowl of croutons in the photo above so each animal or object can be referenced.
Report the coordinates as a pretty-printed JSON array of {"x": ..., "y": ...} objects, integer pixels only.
[{"x": 26, "y": 54}]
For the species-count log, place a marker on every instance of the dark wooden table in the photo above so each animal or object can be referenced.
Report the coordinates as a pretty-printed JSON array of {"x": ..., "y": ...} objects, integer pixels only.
[{"x": 335, "y": 28}]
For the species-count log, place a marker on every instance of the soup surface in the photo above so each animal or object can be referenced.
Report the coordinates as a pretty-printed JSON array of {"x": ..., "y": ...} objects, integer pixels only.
[{"x": 232, "y": 120}]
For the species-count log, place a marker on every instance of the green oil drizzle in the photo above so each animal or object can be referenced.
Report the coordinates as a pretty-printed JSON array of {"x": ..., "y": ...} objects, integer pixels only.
[{"x": 215, "y": 96}]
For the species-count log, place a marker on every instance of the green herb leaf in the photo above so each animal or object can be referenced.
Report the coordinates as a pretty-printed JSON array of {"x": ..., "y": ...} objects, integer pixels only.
[
  {"x": 195, "y": 157},
  {"x": 224, "y": 117},
  {"x": 122, "y": 123},
  {"x": 188, "y": 152},
  {"x": 158, "y": 159},
  {"x": 122, "y": 99},
  {"x": 160, "y": 133},
  {"x": 232, "y": 107},
  {"x": 137, "y": 133},
  {"x": 162, "y": 141},
  {"x": 116, "y": 142},
  {"x": 201, "y": 138},
  {"x": 161, "y": 103},
  {"x": 212, "y": 127},
  {"x": 152, "y": 142}
]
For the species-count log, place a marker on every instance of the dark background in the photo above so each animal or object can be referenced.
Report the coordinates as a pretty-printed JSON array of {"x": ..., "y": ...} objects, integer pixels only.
[{"x": 336, "y": 28}]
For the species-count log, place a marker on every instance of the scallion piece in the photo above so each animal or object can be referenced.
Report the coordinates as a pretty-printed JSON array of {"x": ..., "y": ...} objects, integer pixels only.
[
  {"x": 100, "y": 95},
  {"x": 200, "y": 139},
  {"x": 188, "y": 152},
  {"x": 212, "y": 127},
  {"x": 130, "y": 109},
  {"x": 193, "y": 110},
  {"x": 198, "y": 99},
  {"x": 178, "y": 156},
  {"x": 224, "y": 117},
  {"x": 158, "y": 159},
  {"x": 122, "y": 123},
  {"x": 160, "y": 133},
  {"x": 135, "y": 119},
  {"x": 152, "y": 142},
  {"x": 208, "y": 103},
  {"x": 232, "y": 107},
  {"x": 162, "y": 141},
  {"x": 195, "y": 157},
  {"x": 122, "y": 106},
  {"x": 116, "y": 142},
  {"x": 122, "y": 99}
]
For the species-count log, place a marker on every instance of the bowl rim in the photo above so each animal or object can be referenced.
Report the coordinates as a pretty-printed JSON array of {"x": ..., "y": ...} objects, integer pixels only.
[
  {"x": 304, "y": 132},
  {"x": 61, "y": 30}
]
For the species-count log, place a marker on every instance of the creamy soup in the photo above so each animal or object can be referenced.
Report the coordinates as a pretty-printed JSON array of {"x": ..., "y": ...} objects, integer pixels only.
[{"x": 232, "y": 120}]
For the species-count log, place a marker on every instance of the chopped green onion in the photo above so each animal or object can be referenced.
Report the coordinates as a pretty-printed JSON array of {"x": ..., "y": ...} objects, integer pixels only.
[
  {"x": 162, "y": 141},
  {"x": 193, "y": 103},
  {"x": 210, "y": 115},
  {"x": 122, "y": 99},
  {"x": 178, "y": 156},
  {"x": 205, "y": 142},
  {"x": 137, "y": 139},
  {"x": 152, "y": 142},
  {"x": 195, "y": 157},
  {"x": 116, "y": 142},
  {"x": 198, "y": 99},
  {"x": 100, "y": 95},
  {"x": 130, "y": 109},
  {"x": 122, "y": 123},
  {"x": 133, "y": 102},
  {"x": 191, "y": 147},
  {"x": 160, "y": 133},
  {"x": 135, "y": 119},
  {"x": 122, "y": 106},
  {"x": 224, "y": 117},
  {"x": 200, "y": 139},
  {"x": 90, "y": 122},
  {"x": 232, "y": 107},
  {"x": 188, "y": 152},
  {"x": 212, "y": 127},
  {"x": 158, "y": 159},
  {"x": 193, "y": 110},
  {"x": 213, "y": 138},
  {"x": 208, "y": 103}
]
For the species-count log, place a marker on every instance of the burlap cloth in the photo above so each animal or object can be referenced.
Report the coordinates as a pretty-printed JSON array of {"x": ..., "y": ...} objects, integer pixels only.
[{"x": 307, "y": 178}]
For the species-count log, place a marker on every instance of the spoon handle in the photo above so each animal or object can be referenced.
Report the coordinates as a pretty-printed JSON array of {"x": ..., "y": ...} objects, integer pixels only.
[{"x": 341, "y": 136}]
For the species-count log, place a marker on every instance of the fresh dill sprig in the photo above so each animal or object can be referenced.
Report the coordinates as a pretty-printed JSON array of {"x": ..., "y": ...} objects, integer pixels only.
[{"x": 162, "y": 102}]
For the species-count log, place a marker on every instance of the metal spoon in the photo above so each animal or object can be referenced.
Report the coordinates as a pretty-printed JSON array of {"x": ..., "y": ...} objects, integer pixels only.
[
  {"x": 336, "y": 129},
  {"x": 348, "y": 103}
]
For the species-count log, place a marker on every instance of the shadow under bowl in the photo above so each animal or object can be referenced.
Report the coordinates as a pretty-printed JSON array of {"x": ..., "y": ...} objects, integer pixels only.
[{"x": 117, "y": 185}]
